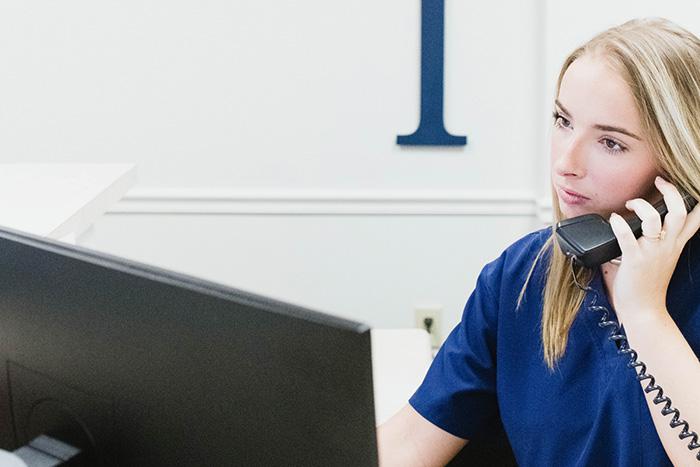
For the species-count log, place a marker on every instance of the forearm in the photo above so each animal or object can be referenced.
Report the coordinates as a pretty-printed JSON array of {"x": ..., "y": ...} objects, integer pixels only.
[
  {"x": 396, "y": 448},
  {"x": 407, "y": 439},
  {"x": 675, "y": 367}
]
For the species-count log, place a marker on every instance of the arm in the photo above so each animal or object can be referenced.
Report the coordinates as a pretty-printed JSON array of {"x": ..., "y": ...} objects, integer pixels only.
[
  {"x": 676, "y": 368},
  {"x": 640, "y": 289},
  {"x": 409, "y": 440}
]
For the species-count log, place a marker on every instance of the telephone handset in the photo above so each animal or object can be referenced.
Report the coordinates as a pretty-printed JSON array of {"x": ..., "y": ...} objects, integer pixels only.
[{"x": 590, "y": 240}]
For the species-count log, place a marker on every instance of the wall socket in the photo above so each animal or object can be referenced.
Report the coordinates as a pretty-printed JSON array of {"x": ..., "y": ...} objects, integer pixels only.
[{"x": 430, "y": 319}]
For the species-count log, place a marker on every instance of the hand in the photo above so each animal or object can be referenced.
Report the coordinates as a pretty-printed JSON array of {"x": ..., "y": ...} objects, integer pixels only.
[{"x": 641, "y": 282}]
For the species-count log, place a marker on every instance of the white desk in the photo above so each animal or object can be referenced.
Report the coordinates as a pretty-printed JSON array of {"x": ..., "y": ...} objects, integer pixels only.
[
  {"x": 60, "y": 200},
  {"x": 400, "y": 360}
]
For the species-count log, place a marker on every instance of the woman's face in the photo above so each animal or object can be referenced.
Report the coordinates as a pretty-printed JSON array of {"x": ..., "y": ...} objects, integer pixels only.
[{"x": 597, "y": 147}]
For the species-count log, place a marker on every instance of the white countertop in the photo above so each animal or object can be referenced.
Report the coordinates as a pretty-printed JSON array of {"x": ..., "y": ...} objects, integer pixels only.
[{"x": 60, "y": 200}]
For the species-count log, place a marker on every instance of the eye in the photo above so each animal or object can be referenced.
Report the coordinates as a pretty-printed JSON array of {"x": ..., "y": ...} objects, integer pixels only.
[
  {"x": 612, "y": 146},
  {"x": 560, "y": 121}
]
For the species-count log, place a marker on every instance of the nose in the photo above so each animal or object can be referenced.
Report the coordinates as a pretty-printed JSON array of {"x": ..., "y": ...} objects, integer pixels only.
[{"x": 570, "y": 157}]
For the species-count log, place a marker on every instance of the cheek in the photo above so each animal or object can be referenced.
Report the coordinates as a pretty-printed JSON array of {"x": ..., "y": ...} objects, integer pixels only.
[
  {"x": 630, "y": 180},
  {"x": 616, "y": 189},
  {"x": 555, "y": 147}
]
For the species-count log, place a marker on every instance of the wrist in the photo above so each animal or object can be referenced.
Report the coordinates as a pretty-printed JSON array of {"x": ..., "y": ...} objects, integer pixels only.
[{"x": 645, "y": 317}]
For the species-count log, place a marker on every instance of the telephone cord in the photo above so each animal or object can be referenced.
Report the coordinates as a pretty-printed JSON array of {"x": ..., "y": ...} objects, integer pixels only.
[{"x": 617, "y": 335}]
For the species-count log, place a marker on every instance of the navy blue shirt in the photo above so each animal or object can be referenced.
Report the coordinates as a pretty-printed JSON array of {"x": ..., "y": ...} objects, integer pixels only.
[{"x": 490, "y": 374}]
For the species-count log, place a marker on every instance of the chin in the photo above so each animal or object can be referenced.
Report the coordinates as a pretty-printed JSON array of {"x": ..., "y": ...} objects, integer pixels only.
[
  {"x": 567, "y": 211},
  {"x": 574, "y": 211}
]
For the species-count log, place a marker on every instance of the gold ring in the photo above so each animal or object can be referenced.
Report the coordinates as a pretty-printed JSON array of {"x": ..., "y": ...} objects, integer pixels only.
[{"x": 660, "y": 236}]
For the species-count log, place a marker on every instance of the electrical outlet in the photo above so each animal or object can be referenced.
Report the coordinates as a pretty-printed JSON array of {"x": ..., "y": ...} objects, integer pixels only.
[{"x": 430, "y": 319}]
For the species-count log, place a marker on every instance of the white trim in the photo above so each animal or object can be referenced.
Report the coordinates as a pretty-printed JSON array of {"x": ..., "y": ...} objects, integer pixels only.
[{"x": 320, "y": 202}]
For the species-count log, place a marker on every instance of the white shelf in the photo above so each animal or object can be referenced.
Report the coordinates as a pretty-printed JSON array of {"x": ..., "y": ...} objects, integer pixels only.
[{"x": 60, "y": 200}]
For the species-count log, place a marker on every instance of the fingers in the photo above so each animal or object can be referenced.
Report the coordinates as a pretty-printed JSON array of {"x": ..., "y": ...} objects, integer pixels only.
[
  {"x": 674, "y": 221},
  {"x": 679, "y": 225},
  {"x": 651, "y": 220},
  {"x": 625, "y": 236},
  {"x": 692, "y": 224}
]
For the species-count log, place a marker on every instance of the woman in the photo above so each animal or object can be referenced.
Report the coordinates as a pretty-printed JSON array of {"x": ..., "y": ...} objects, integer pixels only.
[{"x": 529, "y": 356}]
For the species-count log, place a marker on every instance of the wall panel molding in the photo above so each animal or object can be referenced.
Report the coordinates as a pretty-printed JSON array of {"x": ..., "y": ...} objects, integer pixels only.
[{"x": 331, "y": 202}]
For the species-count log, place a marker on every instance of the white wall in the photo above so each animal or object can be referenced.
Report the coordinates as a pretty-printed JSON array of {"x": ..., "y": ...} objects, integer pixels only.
[
  {"x": 266, "y": 95},
  {"x": 371, "y": 268},
  {"x": 569, "y": 26},
  {"x": 264, "y": 133}
]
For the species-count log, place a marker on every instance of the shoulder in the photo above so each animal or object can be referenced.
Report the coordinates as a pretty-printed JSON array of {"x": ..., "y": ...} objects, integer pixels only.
[
  {"x": 500, "y": 281},
  {"x": 517, "y": 259},
  {"x": 523, "y": 250}
]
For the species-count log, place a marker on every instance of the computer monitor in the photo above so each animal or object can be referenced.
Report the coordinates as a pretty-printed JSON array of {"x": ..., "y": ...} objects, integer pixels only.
[{"x": 140, "y": 366}]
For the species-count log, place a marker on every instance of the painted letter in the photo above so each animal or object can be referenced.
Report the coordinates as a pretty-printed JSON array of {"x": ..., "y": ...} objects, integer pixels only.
[{"x": 431, "y": 129}]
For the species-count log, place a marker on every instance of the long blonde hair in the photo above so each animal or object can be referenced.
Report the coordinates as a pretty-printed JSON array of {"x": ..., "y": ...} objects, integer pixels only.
[{"x": 660, "y": 62}]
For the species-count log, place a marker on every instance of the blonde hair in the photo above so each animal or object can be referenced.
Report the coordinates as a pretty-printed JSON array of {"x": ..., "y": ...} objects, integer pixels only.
[{"x": 660, "y": 62}]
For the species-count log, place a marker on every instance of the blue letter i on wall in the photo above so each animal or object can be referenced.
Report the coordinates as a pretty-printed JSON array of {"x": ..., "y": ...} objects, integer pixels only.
[{"x": 431, "y": 129}]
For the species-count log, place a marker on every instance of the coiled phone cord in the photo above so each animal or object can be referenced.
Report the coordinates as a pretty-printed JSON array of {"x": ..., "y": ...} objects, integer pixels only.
[{"x": 617, "y": 335}]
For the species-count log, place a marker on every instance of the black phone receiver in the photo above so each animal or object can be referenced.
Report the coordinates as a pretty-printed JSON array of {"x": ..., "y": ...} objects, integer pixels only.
[{"x": 590, "y": 240}]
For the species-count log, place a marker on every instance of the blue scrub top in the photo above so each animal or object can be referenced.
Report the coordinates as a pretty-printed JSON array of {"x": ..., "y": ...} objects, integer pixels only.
[{"x": 490, "y": 374}]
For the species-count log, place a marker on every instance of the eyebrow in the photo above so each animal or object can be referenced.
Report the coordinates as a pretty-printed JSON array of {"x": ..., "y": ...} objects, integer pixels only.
[{"x": 602, "y": 127}]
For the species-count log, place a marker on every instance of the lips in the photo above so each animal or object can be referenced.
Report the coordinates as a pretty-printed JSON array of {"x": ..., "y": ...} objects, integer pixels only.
[{"x": 573, "y": 193}]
